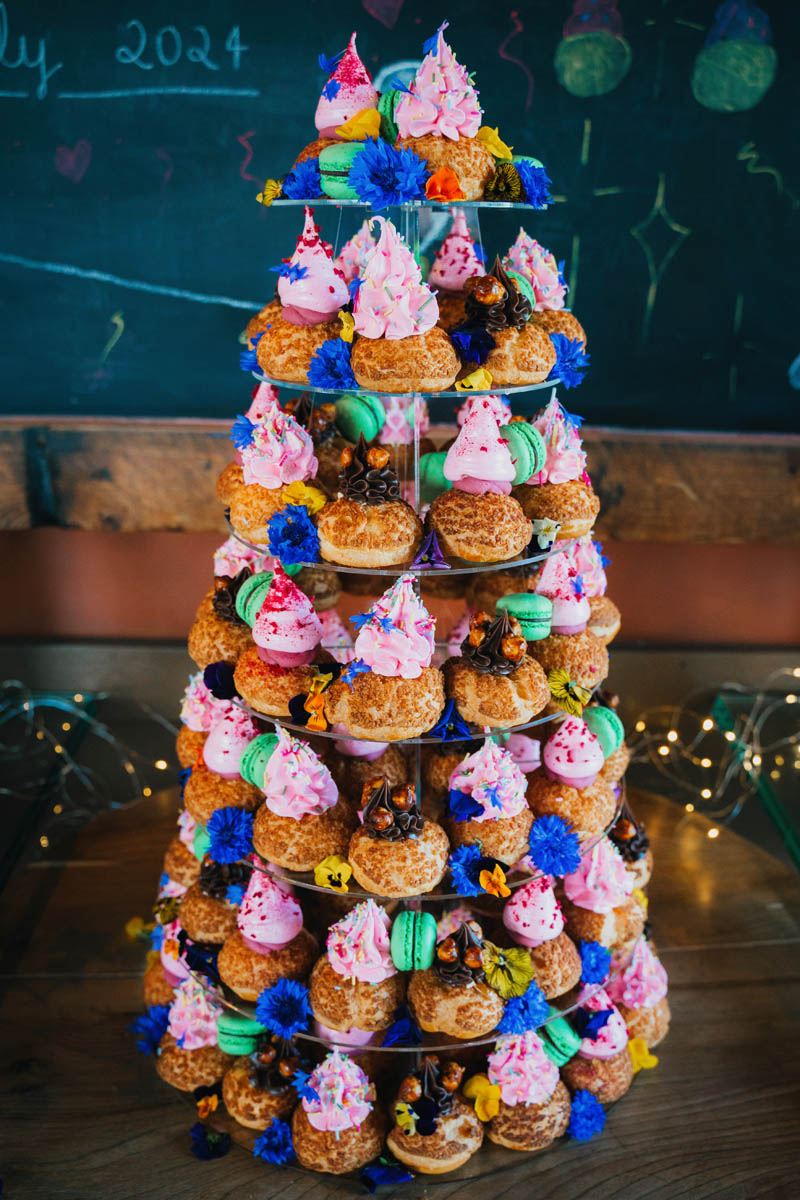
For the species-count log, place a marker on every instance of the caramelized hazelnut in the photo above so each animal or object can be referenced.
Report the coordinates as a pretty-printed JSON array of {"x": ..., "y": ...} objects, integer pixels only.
[
  {"x": 267, "y": 1055},
  {"x": 488, "y": 290},
  {"x": 476, "y": 636},
  {"x": 447, "y": 951},
  {"x": 473, "y": 957},
  {"x": 518, "y": 418},
  {"x": 381, "y": 819},
  {"x": 433, "y": 1059},
  {"x": 328, "y": 411},
  {"x": 513, "y": 648},
  {"x": 287, "y": 1067},
  {"x": 347, "y": 457},
  {"x": 377, "y": 457},
  {"x": 479, "y": 618},
  {"x": 403, "y": 797},
  {"x": 451, "y": 1076},
  {"x": 410, "y": 1089},
  {"x": 624, "y": 829}
]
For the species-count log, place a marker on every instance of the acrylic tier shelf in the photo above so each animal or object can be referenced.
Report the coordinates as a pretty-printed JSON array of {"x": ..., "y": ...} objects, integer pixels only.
[
  {"x": 451, "y": 394},
  {"x": 407, "y": 206}
]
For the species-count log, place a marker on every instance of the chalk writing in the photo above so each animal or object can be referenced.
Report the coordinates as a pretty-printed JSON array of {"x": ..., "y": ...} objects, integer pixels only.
[
  {"x": 32, "y": 62},
  {"x": 119, "y": 328},
  {"x": 169, "y": 49},
  {"x": 73, "y": 161},
  {"x": 244, "y": 141}
]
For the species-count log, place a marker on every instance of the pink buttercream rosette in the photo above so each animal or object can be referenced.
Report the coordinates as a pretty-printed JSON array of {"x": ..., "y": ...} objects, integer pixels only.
[
  {"x": 572, "y": 754},
  {"x": 269, "y": 917},
  {"x": 540, "y": 268},
  {"x": 233, "y": 556},
  {"x": 456, "y": 260},
  {"x": 566, "y": 458},
  {"x": 280, "y": 451},
  {"x": 228, "y": 738},
  {"x": 392, "y": 301},
  {"x": 199, "y": 708},
  {"x": 296, "y": 781},
  {"x": 521, "y": 1069},
  {"x": 493, "y": 780},
  {"x": 358, "y": 945},
  {"x": 613, "y": 1037},
  {"x": 441, "y": 99},
  {"x": 642, "y": 983},
  {"x": 601, "y": 882},
  {"x": 286, "y": 630},
  {"x": 344, "y": 1095},
  {"x": 585, "y": 558},
  {"x": 498, "y": 404},
  {"x": 193, "y": 1015},
  {"x": 397, "y": 638},
  {"x": 352, "y": 258}
]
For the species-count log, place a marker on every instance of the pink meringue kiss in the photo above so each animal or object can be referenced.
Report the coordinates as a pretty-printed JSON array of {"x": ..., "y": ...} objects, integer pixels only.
[
  {"x": 573, "y": 755},
  {"x": 532, "y": 914}
]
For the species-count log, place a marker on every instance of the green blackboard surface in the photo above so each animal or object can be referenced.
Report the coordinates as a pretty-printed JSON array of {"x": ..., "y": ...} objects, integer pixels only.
[{"x": 135, "y": 137}]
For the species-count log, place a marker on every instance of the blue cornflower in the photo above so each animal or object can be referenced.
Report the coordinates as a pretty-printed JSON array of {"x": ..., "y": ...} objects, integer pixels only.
[
  {"x": 207, "y": 1143},
  {"x": 461, "y": 805},
  {"x": 562, "y": 262},
  {"x": 360, "y": 619},
  {"x": 303, "y": 181},
  {"x": 383, "y": 1174},
  {"x": 157, "y": 936},
  {"x": 587, "y": 1117},
  {"x": 331, "y": 89},
  {"x": 183, "y": 777},
  {"x": 403, "y": 1031},
  {"x": 150, "y": 1027},
  {"x": 465, "y": 865},
  {"x": 604, "y": 562},
  {"x": 383, "y": 174},
  {"x": 595, "y": 961},
  {"x": 330, "y": 366},
  {"x": 588, "y": 1023},
  {"x": 218, "y": 678},
  {"x": 353, "y": 286},
  {"x": 293, "y": 536},
  {"x": 356, "y": 667},
  {"x": 242, "y": 431},
  {"x": 451, "y": 725},
  {"x": 429, "y": 46},
  {"x": 328, "y": 65},
  {"x": 302, "y": 1085},
  {"x": 536, "y": 183},
  {"x": 525, "y": 1012},
  {"x": 284, "y": 1008},
  {"x": 571, "y": 360},
  {"x": 473, "y": 345},
  {"x": 290, "y": 271},
  {"x": 234, "y": 893},
  {"x": 231, "y": 834},
  {"x": 554, "y": 846},
  {"x": 275, "y": 1144}
]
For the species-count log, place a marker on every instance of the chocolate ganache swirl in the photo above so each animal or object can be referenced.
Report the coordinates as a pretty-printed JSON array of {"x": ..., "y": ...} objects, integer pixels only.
[
  {"x": 499, "y": 651},
  {"x": 391, "y": 813},
  {"x": 224, "y": 599},
  {"x": 273, "y": 1064},
  {"x": 494, "y": 301},
  {"x": 317, "y": 419},
  {"x": 215, "y": 878},
  {"x": 459, "y": 958},
  {"x": 629, "y": 836},
  {"x": 366, "y": 475}
]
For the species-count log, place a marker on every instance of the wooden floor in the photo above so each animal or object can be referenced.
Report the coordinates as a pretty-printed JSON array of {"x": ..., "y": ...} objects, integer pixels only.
[{"x": 84, "y": 1115}]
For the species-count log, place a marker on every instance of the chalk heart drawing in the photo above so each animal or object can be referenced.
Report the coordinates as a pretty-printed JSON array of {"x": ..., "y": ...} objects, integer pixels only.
[
  {"x": 385, "y": 11},
  {"x": 73, "y": 161}
]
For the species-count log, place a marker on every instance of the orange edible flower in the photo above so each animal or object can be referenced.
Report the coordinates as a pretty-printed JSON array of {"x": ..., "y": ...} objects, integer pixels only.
[{"x": 444, "y": 185}]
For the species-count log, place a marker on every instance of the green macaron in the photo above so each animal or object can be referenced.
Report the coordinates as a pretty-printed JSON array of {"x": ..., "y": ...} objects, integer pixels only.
[
  {"x": 526, "y": 447},
  {"x": 360, "y": 414},
  {"x": 334, "y": 168},
  {"x": 559, "y": 1040},
  {"x": 606, "y": 726},
  {"x": 524, "y": 286},
  {"x": 432, "y": 481},
  {"x": 534, "y": 613},
  {"x": 387, "y": 103},
  {"x": 201, "y": 843},
  {"x": 255, "y": 757},
  {"x": 237, "y": 1034},
  {"x": 251, "y": 595},
  {"x": 413, "y": 940}
]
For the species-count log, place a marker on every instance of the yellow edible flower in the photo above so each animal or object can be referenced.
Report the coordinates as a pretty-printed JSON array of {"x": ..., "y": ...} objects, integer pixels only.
[
  {"x": 207, "y": 1105},
  {"x": 508, "y": 972},
  {"x": 494, "y": 882},
  {"x": 492, "y": 140},
  {"x": 300, "y": 493},
  {"x": 641, "y": 1056},
  {"x": 486, "y": 1096},
  {"x": 569, "y": 696},
  {"x": 640, "y": 896},
  {"x": 137, "y": 930},
  {"x": 273, "y": 188},
  {"x": 333, "y": 872},
  {"x": 365, "y": 124},
  {"x": 477, "y": 381},
  {"x": 348, "y": 326},
  {"x": 405, "y": 1119}
]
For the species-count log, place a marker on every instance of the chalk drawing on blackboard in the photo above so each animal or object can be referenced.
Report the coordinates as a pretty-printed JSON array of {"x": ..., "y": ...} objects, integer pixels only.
[
  {"x": 656, "y": 270},
  {"x": 118, "y": 322},
  {"x": 794, "y": 374},
  {"x": 593, "y": 57},
  {"x": 385, "y": 11},
  {"x": 749, "y": 154},
  {"x": 737, "y": 64},
  {"x": 502, "y": 50},
  {"x": 244, "y": 141},
  {"x": 404, "y": 69},
  {"x": 73, "y": 161}
]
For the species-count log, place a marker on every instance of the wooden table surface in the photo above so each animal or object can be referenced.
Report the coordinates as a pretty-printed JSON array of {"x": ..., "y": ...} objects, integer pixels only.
[{"x": 84, "y": 1114}]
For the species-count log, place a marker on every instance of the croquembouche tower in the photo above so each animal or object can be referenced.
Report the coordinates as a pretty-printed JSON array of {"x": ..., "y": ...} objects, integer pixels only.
[{"x": 401, "y": 928}]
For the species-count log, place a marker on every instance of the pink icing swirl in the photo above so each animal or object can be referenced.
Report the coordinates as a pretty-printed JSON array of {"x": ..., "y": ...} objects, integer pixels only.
[
  {"x": 479, "y": 460},
  {"x": 441, "y": 99},
  {"x": 344, "y": 1095},
  {"x": 187, "y": 827},
  {"x": 613, "y": 1037},
  {"x": 286, "y": 629},
  {"x": 398, "y": 428},
  {"x": 345, "y": 1037},
  {"x": 175, "y": 968},
  {"x": 199, "y": 708},
  {"x": 566, "y": 458},
  {"x": 558, "y": 581},
  {"x": 585, "y": 558},
  {"x": 525, "y": 751},
  {"x": 456, "y": 260},
  {"x": 540, "y": 268},
  {"x": 532, "y": 914},
  {"x": 316, "y": 288},
  {"x": 452, "y": 921},
  {"x": 269, "y": 917},
  {"x": 229, "y": 737},
  {"x": 352, "y": 91},
  {"x": 493, "y": 780},
  {"x": 572, "y": 755},
  {"x": 457, "y": 634},
  {"x": 640, "y": 984},
  {"x": 601, "y": 882},
  {"x": 335, "y": 636},
  {"x": 498, "y": 404},
  {"x": 171, "y": 889},
  {"x": 193, "y": 1015},
  {"x": 233, "y": 556},
  {"x": 357, "y": 747},
  {"x": 280, "y": 451},
  {"x": 296, "y": 781},
  {"x": 522, "y": 1070},
  {"x": 263, "y": 397},
  {"x": 392, "y": 301},
  {"x": 358, "y": 945},
  {"x": 397, "y": 639},
  {"x": 354, "y": 253}
]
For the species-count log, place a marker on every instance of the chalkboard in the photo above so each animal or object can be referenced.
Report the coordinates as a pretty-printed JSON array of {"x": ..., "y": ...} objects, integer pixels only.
[{"x": 135, "y": 137}]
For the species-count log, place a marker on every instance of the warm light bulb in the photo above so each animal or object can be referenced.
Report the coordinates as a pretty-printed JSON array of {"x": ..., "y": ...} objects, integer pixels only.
[
  {"x": 640, "y": 726},
  {"x": 78, "y": 697},
  {"x": 58, "y": 749},
  {"x": 66, "y": 726},
  {"x": 796, "y": 672},
  {"x": 713, "y": 832},
  {"x": 160, "y": 764},
  {"x": 791, "y": 698},
  {"x": 756, "y": 760},
  {"x": 689, "y": 808},
  {"x": 58, "y": 808},
  {"x": 44, "y": 841},
  {"x": 663, "y": 750},
  {"x": 705, "y": 762},
  {"x": 147, "y": 791},
  {"x": 774, "y": 774},
  {"x": 730, "y": 736},
  {"x": 672, "y": 736},
  {"x": 129, "y": 767},
  {"x": 708, "y": 724},
  {"x": 778, "y": 760},
  {"x": 706, "y": 793}
]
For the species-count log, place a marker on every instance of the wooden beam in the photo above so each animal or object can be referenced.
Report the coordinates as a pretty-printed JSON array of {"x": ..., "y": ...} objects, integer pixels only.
[{"x": 131, "y": 475}]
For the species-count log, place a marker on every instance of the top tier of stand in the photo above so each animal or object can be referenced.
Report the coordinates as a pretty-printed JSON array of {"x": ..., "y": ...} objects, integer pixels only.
[{"x": 407, "y": 206}]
